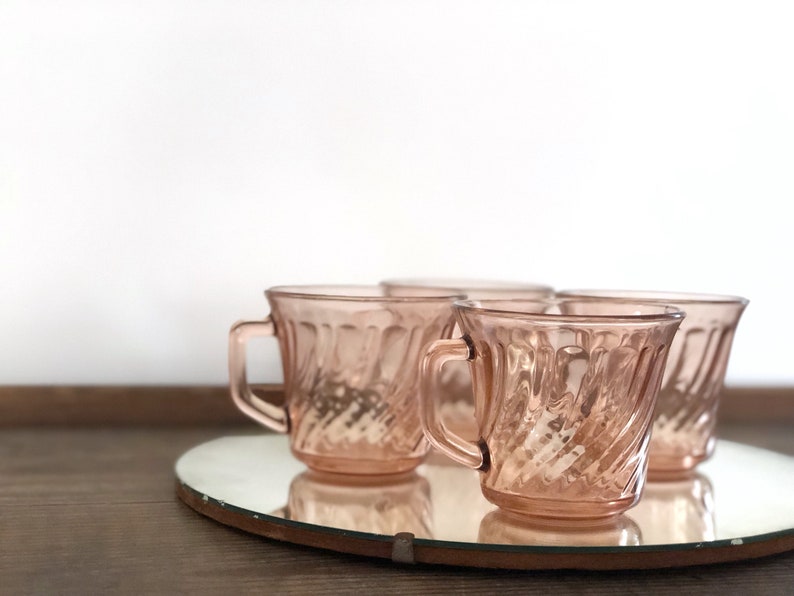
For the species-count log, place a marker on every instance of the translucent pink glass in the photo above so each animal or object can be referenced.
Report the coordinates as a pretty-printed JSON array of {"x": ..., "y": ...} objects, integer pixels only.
[
  {"x": 350, "y": 357},
  {"x": 564, "y": 397},
  {"x": 456, "y": 394},
  {"x": 686, "y": 411}
]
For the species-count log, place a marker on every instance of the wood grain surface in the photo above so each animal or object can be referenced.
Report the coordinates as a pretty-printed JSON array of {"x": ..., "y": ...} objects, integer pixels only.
[{"x": 211, "y": 405}]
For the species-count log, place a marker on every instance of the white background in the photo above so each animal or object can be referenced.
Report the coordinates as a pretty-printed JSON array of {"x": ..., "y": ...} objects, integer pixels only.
[{"x": 163, "y": 162}]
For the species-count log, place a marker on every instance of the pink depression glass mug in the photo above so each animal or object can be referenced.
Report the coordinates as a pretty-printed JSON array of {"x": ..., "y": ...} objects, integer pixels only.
[
  {"x": 350, "y": 356},
  {"x": 457, "y": 397},
  {"x": 564, "y": 396},
  {"x": 686, "y": 410}
]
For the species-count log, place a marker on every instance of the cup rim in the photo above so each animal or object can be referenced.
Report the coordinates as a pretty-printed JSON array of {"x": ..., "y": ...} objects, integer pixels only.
[
  {"x": 672, "y": 298},
  {"x": 669, "y": 312},
  {"x": 463, "y": 284},
  {"x": 357, "y": 293}
]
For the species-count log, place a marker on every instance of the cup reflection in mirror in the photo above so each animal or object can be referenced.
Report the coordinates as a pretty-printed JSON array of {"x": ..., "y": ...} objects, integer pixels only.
[
  {"x": 674, "y": 512},
  {"x": 387, "y": 504},
  {"x": 504, "y": 527},
  {"x": 458, "y": 502}
]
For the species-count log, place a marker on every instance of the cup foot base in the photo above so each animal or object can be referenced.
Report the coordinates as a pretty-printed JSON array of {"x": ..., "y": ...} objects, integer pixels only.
[
  {"x": 358, "y": 466},
  {"x": 560, "y": 510},
  {"x": 671, "y": 467}
]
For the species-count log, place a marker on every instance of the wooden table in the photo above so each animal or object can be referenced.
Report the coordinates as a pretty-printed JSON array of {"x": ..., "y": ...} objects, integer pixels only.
[{"x": 88, "y": 506}]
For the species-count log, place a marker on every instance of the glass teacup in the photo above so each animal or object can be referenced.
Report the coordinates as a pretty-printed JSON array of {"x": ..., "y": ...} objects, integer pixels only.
[
  {"x": 564, "y": 397},
  {"x": 350, "y": 357},
  {"x": 686, "y": 409}
]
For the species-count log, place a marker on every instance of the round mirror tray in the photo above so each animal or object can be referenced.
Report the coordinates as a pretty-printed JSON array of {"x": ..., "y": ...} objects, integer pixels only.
[{"x": 737, "y": 506}]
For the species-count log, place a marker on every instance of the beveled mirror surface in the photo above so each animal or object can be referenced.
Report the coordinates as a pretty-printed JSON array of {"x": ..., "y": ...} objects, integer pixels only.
[{"x": 742, "y": 494}]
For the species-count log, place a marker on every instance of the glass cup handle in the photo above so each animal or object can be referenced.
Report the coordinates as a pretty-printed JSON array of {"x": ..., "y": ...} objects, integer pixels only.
[
  {"x": 273, "y": 417},
  {"x": 457, "y": 448}
]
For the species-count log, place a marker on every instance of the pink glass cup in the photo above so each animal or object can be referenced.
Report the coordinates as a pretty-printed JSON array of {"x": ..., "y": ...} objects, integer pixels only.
[
  {"x": 456, "y": 394},
  {"x": 350, "y": 357},
  {"x": 564, "y": 396},
  {"x": 686, "y": 410}
]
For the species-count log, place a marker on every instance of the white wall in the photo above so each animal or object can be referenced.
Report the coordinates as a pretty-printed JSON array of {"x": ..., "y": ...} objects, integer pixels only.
[{"x": 162, "y": 162}]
